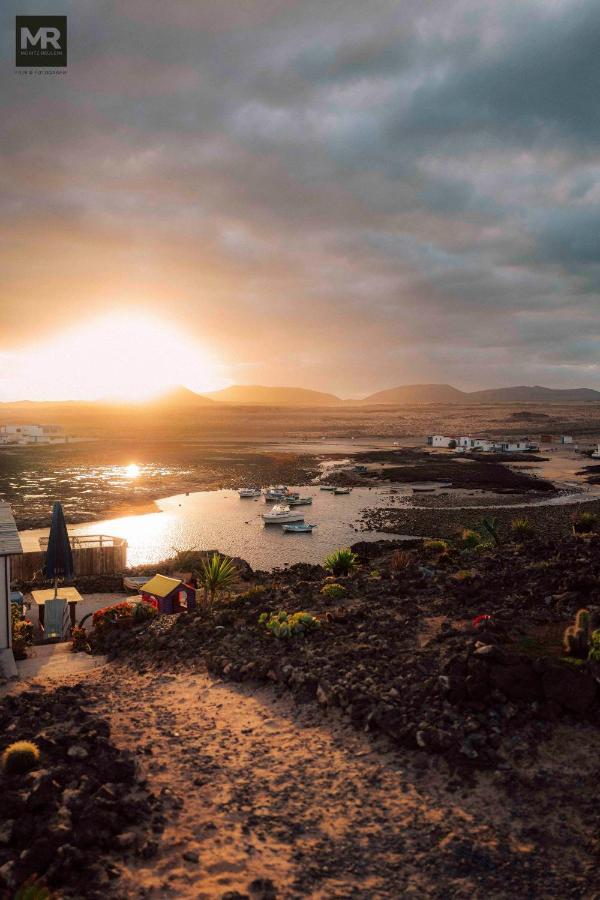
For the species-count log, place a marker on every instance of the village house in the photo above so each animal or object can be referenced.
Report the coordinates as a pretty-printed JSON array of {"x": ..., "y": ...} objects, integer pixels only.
[
  {"x": 10, "y": 544},
  {"x": 468, "y": 443},
  {"x": 32, "y": 434}
]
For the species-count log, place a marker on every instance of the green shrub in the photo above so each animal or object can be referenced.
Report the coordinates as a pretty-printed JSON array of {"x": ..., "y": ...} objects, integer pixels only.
[
  {"x": 584, "y": 523},
  {"x": 333, "y": 591},
  {"x": 435, "y": 545},
  {"x": 522, "y": 529},
  {"x": 341, "y": 562},
  {"x": 400, "y": 561},
  {"x": 32, "y": 889},
  {"x": 79, "y": 641},
  {"x": 282, "y": 625},
  {"x": 464, "y": 575},
  {"x": 20, "y": 757},
  {"x": 470, "y": 539},
  {"x": 594, "y": 654},
  {"x": 22, "y": 632}
]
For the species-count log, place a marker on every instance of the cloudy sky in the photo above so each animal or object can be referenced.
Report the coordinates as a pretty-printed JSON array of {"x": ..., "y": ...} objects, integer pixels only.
[{"x": 340, "y": 195}]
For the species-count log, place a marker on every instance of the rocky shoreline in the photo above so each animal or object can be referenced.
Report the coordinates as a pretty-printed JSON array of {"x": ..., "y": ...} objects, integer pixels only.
[{"x": 554, "y": 520}]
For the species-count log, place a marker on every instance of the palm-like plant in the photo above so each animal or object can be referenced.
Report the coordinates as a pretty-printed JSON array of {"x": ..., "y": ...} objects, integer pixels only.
[
  {"x": 341, "y": 562},
  {"x": 215, "y": 575}
]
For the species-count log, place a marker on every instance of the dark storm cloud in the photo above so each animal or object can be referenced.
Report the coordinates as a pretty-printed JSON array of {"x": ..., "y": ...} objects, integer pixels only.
[{"x": 425, "y": 172}]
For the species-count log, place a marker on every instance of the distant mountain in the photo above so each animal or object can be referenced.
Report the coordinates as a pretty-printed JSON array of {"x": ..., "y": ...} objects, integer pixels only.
[
  {"x": 417, "y": 393},
  {"x": 445, "y": 393},
  {"x": 261, "y": 395},
  {"x": 177, "y": 397},
  {"x": 535, "y": 394}
]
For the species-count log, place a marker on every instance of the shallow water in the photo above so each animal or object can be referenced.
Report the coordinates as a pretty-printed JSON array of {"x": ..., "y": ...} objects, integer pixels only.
[{"x": 220, "y": 520}]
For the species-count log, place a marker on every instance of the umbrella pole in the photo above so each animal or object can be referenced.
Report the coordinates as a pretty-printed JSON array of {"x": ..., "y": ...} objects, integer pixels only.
[{"x": 55, "y": 588}]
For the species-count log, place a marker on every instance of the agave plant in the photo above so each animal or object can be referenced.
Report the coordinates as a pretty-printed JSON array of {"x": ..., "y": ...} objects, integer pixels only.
[
  {"x": 215, "y": 575},
  {"x": 491, "y": 527},
  {"x": 341, "y": 562}
]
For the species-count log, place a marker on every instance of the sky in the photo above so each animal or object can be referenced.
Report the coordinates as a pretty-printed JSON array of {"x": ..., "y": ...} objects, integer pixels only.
[{"x": 344, "y": 196}]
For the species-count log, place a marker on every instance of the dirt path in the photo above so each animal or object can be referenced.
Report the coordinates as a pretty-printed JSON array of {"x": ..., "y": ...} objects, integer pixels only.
[{"x": 266, "y": 799}]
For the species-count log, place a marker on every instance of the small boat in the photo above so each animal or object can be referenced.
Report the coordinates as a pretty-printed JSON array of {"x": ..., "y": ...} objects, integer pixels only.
[
  {"x": 280, "y": 515},
  {"x": 249, "y": 492},
  {"x": 342, "y": 490},
  {"x": 299, "y": 528},
  {"x": 300, "y": 501},
  {"x": 423, "y": 490},
  {"x": 327, "y": 487},
  {"x": 276, "y": 492},
  {"x": 135, "y": 582}
]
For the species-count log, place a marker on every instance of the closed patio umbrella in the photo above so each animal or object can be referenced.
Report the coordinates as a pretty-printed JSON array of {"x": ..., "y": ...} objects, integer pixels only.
[{"x": 59, "y": 556}]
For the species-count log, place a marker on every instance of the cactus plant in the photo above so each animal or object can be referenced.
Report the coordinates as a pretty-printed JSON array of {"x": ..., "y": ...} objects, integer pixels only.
[
  {"x": 20, "y": 757},
  {"x": 576, "y": 638}
]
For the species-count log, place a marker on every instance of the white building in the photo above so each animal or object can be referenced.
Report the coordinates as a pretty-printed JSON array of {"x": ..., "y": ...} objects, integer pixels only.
[
  {"x": 517, "y": 446},
  {"x": 566, "y": 439},
  {"x": 9, "y": 544},
  {"x": 32, "y": 434},
  {"x": 475, "y": 443},
  {"x": 440, "y": 440}
]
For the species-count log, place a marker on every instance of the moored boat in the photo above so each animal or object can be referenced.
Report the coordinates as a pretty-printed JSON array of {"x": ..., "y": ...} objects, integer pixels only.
[
  {"x": 300, "y": 501},
  {"x": 299, "y": 528},
  {"x": 342, "y": 490},
  {"x": 249, "y": 492},
  {"x": 327, "y": 487},
  {"x": 280, "y": 515}
]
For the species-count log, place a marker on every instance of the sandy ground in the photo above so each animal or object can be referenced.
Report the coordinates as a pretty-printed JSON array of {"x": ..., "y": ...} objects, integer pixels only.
[{"x": 258, "y": 788}]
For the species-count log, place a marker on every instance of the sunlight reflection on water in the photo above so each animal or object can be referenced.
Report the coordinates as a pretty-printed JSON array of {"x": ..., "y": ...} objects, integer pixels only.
[{"x": 220, "y": 520}]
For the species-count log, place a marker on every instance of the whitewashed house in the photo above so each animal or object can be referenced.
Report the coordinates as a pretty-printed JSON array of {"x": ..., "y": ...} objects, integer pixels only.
[
  {"x": 517, "y": 446},
  {"x": 10, "y": 544},
  {"x": 596, "y": 453},
  {"x": 32, "y": 434},
  {"x": 440, "y": 440},
  {"x": 566, "y": 439},
  {"x": 474, "y": 443}
]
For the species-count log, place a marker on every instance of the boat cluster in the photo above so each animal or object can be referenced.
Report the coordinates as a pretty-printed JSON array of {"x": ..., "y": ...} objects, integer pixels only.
[{"x": 284, "y": 511}]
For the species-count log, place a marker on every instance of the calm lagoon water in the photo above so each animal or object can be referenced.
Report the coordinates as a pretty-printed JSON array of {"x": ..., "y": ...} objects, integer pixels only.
[{"x": 220, "y": 520}]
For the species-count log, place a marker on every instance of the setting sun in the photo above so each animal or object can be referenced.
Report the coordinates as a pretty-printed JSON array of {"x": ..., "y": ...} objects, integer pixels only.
[{"x": 125, "y": 356}]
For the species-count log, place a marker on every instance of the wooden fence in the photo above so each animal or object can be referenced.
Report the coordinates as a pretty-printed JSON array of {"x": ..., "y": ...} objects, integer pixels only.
[{"x": 94, "y": 554}]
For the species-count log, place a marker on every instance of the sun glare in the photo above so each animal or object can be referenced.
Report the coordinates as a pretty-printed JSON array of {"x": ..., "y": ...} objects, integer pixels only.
[
  {"x": 125, "y": 357},
  {"x": 132, "y": 470}
]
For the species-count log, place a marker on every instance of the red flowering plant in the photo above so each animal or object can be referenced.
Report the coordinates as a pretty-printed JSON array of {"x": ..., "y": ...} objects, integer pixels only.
[
  {"x": 79, "y": 641},
  {"x": 478, "y": 621},
  {"x": 126, "y": 613}
]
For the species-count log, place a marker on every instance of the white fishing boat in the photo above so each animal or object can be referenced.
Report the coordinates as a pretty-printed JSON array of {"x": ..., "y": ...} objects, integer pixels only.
[
  {"x": 327, "y": 487},
  {"x": 274, "y": 493},
  {"x": 300, "y": 501},
  {"x": 342, "y": 490},
  {"x": 249, "y": 492},
  {"x": 280, "y": 515},
  {"x": 299, "y": 528}
]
